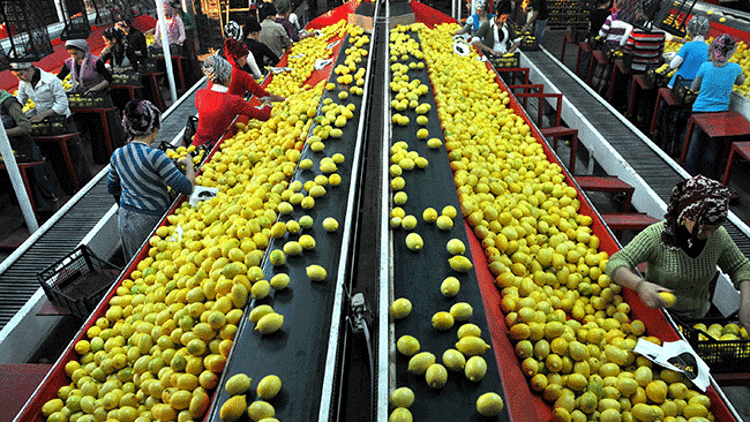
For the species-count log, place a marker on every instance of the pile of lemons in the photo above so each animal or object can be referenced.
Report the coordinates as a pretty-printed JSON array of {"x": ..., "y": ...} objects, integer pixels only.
[
  {"x": 465, "y": 356},
  {"x": 573, "y": 332},
  {"x": 303, "y": 55},
  {"x": 727, "y": 332},
  {"x": 160, "y": 349}
]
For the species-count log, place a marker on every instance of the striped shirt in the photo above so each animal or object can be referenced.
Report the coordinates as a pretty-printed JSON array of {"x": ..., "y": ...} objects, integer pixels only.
[
  {"x": 141, "y": 174},
  {"x": 615, "y": 31},
  {"x": 646, "y": 47}
]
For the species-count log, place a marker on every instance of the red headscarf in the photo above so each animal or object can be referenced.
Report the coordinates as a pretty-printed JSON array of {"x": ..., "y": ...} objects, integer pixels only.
[{"x": 234, "y": 49}]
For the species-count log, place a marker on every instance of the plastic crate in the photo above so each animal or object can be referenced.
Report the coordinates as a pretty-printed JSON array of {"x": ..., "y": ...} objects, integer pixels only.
[
  {"x": 78, "y": 281},
  {"x": 147, "y": 66},
  {"x": 529, "y": 43},
  {"x": 94, "y": 99},
  {"x": 719, "y": 355},
  {"x": 51, "y": 126},
  {"x": 505, "y": 62},
  {"x": 658, "y": 80},
  {"x": 127, "y": 78},
  {"x": 682, "y": 92}
]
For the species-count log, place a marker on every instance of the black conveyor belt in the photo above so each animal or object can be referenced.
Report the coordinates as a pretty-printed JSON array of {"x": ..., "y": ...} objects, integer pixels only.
[
  {"x": 659, "y": 175},
  {"x": 18, "y": 283}
]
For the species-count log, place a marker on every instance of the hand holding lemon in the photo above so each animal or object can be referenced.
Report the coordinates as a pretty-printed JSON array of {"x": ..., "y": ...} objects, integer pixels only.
[{"x": 654, "y": 295}]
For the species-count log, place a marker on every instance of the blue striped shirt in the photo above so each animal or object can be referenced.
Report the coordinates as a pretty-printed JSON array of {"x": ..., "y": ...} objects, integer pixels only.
[{"x": 141, "y": 174}]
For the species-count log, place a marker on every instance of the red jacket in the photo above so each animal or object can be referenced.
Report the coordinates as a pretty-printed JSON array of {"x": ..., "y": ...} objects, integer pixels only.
[
  {"x": 241, "y": 82},
  {"x": 217, "y": 110}
]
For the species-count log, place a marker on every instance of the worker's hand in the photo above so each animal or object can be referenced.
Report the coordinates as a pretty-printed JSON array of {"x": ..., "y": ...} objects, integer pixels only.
[
  {"x": 89, "y": 92},
  {"x": 186, "y": 161},
  {"x": 744, "y": 315},
  {"x": 36, "y": 118},
  {"x": 649, "y": 294},
  {"x": 277, "y": 98}
]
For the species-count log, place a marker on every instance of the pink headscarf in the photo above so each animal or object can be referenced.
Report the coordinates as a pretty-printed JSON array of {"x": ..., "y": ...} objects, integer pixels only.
[{"x": 722, "y": 48}]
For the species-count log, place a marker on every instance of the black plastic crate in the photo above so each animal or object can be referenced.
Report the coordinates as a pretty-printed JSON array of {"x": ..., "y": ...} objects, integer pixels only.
[
  {"x": 657, "y": 79},
  {"x": 129, "y": 78},
  {"x": 682, "y": 92},
  {"x": 51, "y": 126},
  {"x": 719, "y": 355},
  {"x": 506, "y": 62},
  {"x": 100, "y": 99},
  {"x": 529, "y": 43},
  {"x": 147, "y": 66},
  {"x": 78, "y": 281}
]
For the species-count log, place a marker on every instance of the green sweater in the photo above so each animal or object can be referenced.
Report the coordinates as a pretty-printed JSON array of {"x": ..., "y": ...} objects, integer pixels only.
[{"x": 687, "y": 277}]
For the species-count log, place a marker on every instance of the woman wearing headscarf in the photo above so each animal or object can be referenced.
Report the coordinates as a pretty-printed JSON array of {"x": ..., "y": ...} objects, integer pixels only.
[
  {"x": 87, "y": 72},
  {"x": 475, "y": 21},
  {"x": 237, "y": 54},
  {"x": 692, "y": 54},
  {"x": 683, "y": 251},
  {"x": 175, "y": 29},
  {"x": 241, "y": 80},
  {"x": 715, "y": 80},
  {"x": 139, "y": 176},
  {"x": 117, "y": 51},
  {"x": 217, "y": 108}
]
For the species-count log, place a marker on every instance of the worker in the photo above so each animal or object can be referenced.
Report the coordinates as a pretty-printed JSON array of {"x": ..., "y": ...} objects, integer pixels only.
[
  {"x": 241, "y": 80},
  {"x": 714, "y": 80},
  {"x": 272, "y": 34},
  {"x": 692, "y": 54},
  {"x": 539, "y": 17},
  {"x": 475, "y": 21},
  {"x": 135, "y": 38},
  {"x": 217, "y": 108},
  {"x": 117, "y": 52},
  {"x": 87, "y": 72},
  {"x": 48, "y": 95},
  {"x": 139, "y": 176},
  {"x": 175, "y": 30},
  {"x": 683, "y": 251},
  {"x": 262, "y": 53},
  {"x": 238, "y": 55},
  {"x": 495, "y": 37}
]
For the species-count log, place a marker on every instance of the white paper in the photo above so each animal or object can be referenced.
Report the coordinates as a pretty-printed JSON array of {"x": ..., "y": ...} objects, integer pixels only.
[
  {"x": 277, "y": 70},
  {"x": 177, "y": 235},
  {"x": 461, "y": 49},
  {"x": 677, "y": 356},
  {"x": 726, "y": 298},
  {"x": 319, "y": 64},
  {"x": 201, "y": 193},
  {"x": 481, "y": 58},
  {"x": 333, "y": 44}
]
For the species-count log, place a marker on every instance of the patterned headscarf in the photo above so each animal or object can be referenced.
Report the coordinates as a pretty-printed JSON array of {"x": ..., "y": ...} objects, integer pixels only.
[
  {"x": 700, "y": 199},
  {"x": 722, "y": 48},
  {"x": 140, "y": 118},
  {"x": 234, "y": 49},
  {"x": 233, "y": 30},
  {"x": 216, "y": 69},
  {"x": 698, "y": 25}
]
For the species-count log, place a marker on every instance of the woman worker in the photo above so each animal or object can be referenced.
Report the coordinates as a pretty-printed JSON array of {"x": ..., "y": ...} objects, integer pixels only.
[
  {"x": 140, "y": 175},
  {"x": 692, "y": 54},
  {"x": 87, "y": 72},
  {"x": 241, "y": 80},
  {"x": 49, "y": 97},
  {"x": 88, "y": 75},
  {"x": 117, "y": 51},
  {"x": 715, "y": 80},
  {"x": 683, "y": 251},
  {"x": 475, "y": 21},
  {"x": 238, "y": 55},
  {"x": 217, "y": 108}
]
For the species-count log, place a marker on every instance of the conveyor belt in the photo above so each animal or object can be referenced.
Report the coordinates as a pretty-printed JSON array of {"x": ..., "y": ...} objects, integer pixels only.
[
  {"x": 18, "y": 282},
  {"x": 659, "y": 174}
]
